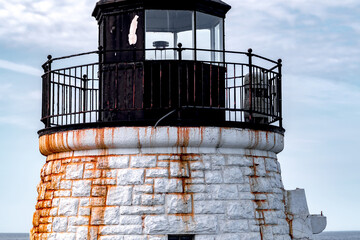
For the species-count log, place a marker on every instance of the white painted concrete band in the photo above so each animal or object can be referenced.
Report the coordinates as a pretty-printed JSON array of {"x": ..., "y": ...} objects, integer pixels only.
[{"x": 135, "y": 140}]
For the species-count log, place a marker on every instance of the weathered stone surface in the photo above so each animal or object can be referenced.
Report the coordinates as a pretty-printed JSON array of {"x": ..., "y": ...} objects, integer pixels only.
[
  {"x": 60, "y": 224},
  {"x": 118, "y": 162},
  {"x": 179, "y": 203},
  {"x": 152, "y": 199},
  {"x": 68, "y": 206},
  {"x": 146, "y": 197},
  {"x": 81, "y": 188},
  {"x": 130, "y": 176},
  {"x": 130, "y": 220},
  {"x": 143, "y": 161},
  {"x": 234, "y": 226},
  {"x": 224, "y": 192},
  {"x": 119, "y": 196},
  {"x": 233, "y": 174},
  {"x": 82, "y": 233},
  {"x": 74, "y": 171},
  {"x": 124, "y": 229},
  {"x": 179, "y": 169},
  {"x": 213, "y": 177},
  {"x": 162, "y": 172},
  {"x": 240, "y": 210},
  {"x": 112, "y": 216},
  {"x": 163, "y": 185},
  {"x": 141, "y": 210},
  {"x": 209, "y": 207}
]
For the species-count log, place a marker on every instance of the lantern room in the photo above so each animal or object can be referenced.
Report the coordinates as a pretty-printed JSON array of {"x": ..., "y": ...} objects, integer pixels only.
[{"x": 160, "y": 26}]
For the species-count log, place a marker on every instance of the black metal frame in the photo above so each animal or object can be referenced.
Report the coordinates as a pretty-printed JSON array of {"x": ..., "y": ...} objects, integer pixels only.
[{"x": 72, "y": 96}]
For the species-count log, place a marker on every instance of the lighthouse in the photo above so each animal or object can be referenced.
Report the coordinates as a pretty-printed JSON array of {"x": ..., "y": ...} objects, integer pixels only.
[{"x": 163, "y": 134}]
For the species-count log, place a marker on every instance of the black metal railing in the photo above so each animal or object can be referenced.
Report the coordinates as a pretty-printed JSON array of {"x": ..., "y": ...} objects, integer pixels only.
[{"x": 163, "y": 86}]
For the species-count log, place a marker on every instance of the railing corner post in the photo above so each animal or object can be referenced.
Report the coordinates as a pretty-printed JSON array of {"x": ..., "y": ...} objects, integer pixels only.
[
  {"x": 180, "y": 51},
  {"x": 280, "y": 91},
  {"x": 250, "y": 84}
]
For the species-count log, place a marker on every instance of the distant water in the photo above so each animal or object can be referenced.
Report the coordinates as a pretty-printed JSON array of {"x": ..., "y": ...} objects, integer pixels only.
[
  {"x": 338, "y": 236},
  {"x": 14, "y": 236},
  {"x": 321, "y": 236}
]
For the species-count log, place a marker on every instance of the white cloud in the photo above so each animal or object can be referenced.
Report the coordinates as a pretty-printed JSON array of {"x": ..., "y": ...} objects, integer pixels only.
[
  {"x": 49, "y": 23},
  {"x": 20, "y": 68}
]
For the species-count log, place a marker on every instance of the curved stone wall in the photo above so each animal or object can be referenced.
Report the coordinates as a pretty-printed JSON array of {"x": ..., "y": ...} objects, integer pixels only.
[{"x": 145, "y": 183}]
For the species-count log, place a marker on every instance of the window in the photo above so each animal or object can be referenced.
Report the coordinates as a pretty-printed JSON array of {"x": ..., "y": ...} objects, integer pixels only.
[
  {"x": 181, "y": 237},
  {"x": 209, "y": 35},
  {"x": 167, "y": 28}
]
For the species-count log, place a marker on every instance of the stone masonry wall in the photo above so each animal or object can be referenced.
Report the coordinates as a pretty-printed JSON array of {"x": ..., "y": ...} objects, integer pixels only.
[{"x": 104, "y": 196}]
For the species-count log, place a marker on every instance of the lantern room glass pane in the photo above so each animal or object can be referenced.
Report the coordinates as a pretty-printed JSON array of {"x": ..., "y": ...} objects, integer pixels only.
[
  {"x": 165, "y": 29},
  {"x": 209, "y": 35}
]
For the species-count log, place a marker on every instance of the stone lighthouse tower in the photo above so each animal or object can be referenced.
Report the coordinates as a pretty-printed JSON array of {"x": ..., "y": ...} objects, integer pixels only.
[{"x": 162, "y": 134}]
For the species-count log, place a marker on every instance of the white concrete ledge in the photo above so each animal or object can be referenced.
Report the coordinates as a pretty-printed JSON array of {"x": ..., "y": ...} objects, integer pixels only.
[{"x": 190, "y": 140}]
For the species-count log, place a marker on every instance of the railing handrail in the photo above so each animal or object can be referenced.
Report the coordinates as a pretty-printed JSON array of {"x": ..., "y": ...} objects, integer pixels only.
[{"x": 51, "y": 59}]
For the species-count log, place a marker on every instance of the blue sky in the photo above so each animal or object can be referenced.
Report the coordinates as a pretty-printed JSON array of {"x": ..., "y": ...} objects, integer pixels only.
[{"x": 318, "y": 40}]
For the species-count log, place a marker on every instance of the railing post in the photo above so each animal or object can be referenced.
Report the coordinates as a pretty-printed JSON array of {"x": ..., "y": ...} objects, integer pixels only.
[
  {"x": 179, "y": 79},
  {"x": 48, "y": 91},
  {"x": 84, "y": 79},
  {"x": 101, "y": 59},
  {"x": 180, "y": 51},
  {"x": 250, "y": 84},
  {"x": 279, "y": 90}
]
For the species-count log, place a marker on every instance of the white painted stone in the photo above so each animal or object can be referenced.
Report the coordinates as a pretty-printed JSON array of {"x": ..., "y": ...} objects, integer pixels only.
[
  {"x": 213, "y": 177},
  {"x": 130, "y": 220},
  {"x": 74, "y": 171},
  {"x": 155, "y": 173},
  {"x": 224, "y": 191},
  {"x": 112, "y": 216},
  {"x": 234, "y": 226},
  {"x": 239, "y": 160},
  {"x": 261, "y": 184},
  {"x": 164, "y": 185},
  {"x": 66, "y": 185},
  {"x": 119, "y": 196},
  {"x": 179, "y": 204},
  {"x": 301, "y": 228},
  {"x": 82, "y": 233},
  {"x": 123, "y": 229},
  {"x": 152, "y": 199},
  {"x": 240, "y": 209},
  {"x": 141, "y": 210},
  {"x": 59, "y": 224},
  {"x": 130, "y": 176},
  {"x": 209, "y": 207},
  {"x": 233, "y": 174},
  {"x": 197, "y": 174},
  {"x": 195, "y": 188},
  {"x": 143, "y": 161},
  {"x": 204, "y": 237},
  {"x": 296, "y": 202},
  {"x": 78, "y": 221},
  {"x": 68, "y": 206},
  {"x": 143, "y": 189},
  {"x": 318, "y": 223},
  {"x": 118, "y": 162},
  {"x": 65, "y": 236},
  {"x": 179, "y": 169},
  {"x": 84, "y": 202},
  {"x": 114, "y": 237},
  {"x": 81, "y": 188}
]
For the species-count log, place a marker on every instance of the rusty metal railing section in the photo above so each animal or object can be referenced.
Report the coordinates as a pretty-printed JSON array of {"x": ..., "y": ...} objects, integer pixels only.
[{"x": 189, "y": 87}]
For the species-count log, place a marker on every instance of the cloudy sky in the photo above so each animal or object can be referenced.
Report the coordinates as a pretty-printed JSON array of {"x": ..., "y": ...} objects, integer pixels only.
[{"x": 318, "y": 40}]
